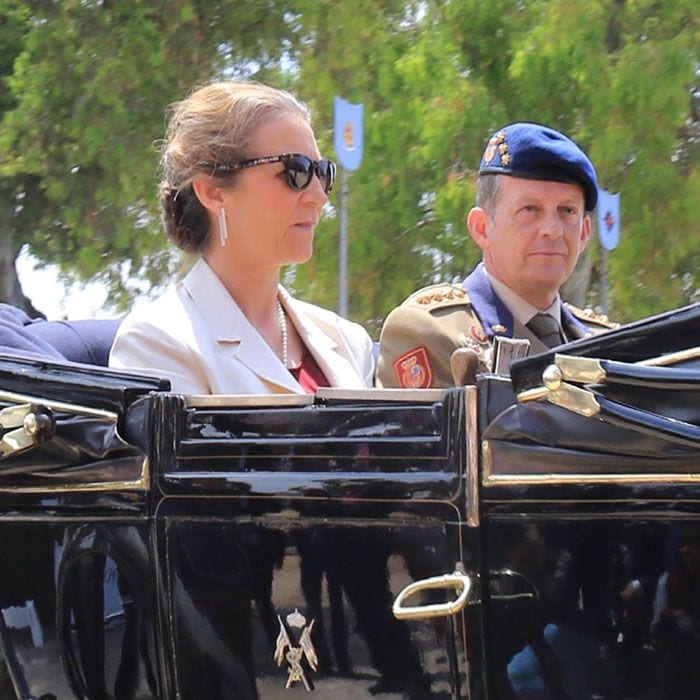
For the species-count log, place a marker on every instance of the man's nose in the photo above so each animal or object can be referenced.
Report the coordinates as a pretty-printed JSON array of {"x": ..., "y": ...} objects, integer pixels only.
[{"x": 552, "y": 226}]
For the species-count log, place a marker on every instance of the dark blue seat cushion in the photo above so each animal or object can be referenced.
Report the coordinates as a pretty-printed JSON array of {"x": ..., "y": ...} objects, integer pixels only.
[{"x": 87, "y": 342}]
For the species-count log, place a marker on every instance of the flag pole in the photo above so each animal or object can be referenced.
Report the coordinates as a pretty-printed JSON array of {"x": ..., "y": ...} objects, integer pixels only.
[
  {"x": 343, "y": 244},
  {"x": 604, "y": 279},
  {"x": 608, "y": 221},
  {"x": 348, "y": 140}
]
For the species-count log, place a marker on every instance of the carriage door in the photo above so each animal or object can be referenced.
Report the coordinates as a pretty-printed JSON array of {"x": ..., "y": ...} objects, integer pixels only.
[
  {"x": 77, "y": 592},
  {"x": 590, "y": 492},
  {"x": 287, "y": 528}
]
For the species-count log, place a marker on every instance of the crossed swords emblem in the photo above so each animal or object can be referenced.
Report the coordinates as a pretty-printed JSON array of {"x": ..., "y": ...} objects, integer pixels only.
[{"x": 285, "y": 649}]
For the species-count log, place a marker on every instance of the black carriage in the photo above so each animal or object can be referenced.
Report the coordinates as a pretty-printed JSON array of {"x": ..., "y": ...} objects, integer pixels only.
[{"x": 532, "y": 537}]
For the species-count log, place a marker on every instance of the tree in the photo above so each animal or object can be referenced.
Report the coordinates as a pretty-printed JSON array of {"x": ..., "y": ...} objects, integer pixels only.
[
  {"x": 437, "y": 78},
  {"x": 407, "y": 205},
  {"x": 89, "y": 82},
  {"x": 11, "y": 34},
  {"x": 616, "y": 77}
]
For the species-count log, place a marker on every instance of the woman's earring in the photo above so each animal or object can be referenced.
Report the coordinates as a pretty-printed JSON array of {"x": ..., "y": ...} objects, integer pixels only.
[{"x": 223, "y": 228}]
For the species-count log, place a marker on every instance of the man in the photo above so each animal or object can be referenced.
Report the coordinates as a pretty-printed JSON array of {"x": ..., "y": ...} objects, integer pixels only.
[{"x": 535, "y": 189}]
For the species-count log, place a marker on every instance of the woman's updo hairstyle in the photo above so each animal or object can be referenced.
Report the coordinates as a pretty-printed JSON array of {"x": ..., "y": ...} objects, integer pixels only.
[{"x": 216, "y": 124}]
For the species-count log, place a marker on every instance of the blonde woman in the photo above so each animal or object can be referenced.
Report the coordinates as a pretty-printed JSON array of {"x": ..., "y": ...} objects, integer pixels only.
[{"x": 243, "y": 188}]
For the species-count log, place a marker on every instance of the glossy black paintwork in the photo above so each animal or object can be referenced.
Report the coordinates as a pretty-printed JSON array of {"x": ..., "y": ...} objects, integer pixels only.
[
  {"x": 324, "y": 509},
  {"x": 599, "y": 518},
  {"x": 248, "y": 514},
  {"x": 98, "y": 387},
  {"x": 157, "y": 555},
  {"x": 74, "y": 548},
  {"x": 668, "y": 332},
  {"x": 344, "y": 451},
  {"x": 75, "y": 598}
]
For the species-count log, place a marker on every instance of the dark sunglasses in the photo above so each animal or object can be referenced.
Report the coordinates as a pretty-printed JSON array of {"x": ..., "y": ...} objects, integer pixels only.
[{"x": 298, "y": 169}]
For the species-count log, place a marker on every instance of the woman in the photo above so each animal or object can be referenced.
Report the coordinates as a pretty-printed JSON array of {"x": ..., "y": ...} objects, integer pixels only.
[{"x": 243, "y": 188}]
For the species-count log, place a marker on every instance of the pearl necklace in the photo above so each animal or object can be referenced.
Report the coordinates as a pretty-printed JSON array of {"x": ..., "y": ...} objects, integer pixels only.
[{"x": 285, "y": 336}]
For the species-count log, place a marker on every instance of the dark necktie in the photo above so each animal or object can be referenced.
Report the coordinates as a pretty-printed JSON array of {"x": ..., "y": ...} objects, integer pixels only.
[{"x": 547, "y": 329}]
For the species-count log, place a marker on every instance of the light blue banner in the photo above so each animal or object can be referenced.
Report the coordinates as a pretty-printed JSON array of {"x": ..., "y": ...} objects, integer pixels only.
[
  {"x": 348, "y": 133},
  {"x": 608, "y": 219}
]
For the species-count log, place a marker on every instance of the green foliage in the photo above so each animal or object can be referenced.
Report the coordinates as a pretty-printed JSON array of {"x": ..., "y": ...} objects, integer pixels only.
[
  {"x": 87, "y": 84},
  {"x": 90, "y": 87},
  {"x": 613, "y": 75}
]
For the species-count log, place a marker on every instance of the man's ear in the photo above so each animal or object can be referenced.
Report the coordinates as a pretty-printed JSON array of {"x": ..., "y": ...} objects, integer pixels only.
[
  {"x": 585, "y": 232},
  {"x": 208, "y": 194},
  {"x": 476, "y": 225}
]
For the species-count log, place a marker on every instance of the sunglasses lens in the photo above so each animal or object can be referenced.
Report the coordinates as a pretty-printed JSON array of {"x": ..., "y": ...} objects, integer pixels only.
[
  {"x": 326, "y": 174},
  {"x": 299, "y": 170}
]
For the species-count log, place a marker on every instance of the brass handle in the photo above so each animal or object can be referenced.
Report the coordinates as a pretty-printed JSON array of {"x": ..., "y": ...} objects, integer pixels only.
[
  {"x": 457, "y": 580},
  {"x": 32, "y": 424},
  {"x": 33, "y": 421}
]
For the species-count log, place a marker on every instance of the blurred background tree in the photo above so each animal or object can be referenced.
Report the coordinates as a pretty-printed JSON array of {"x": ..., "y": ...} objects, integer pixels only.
[{"x": 86, "y": 86}]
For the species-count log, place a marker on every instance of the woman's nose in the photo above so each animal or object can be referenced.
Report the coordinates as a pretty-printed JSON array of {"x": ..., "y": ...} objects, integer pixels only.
[{"x": 315, "y": 192}]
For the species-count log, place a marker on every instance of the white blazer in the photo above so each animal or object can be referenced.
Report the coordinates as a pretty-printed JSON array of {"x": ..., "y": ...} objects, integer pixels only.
[{"x": 196, "y": 336}]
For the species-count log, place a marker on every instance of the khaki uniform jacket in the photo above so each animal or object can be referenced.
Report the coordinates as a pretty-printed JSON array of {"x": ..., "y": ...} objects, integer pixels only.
[
  {"x": 419, "y": 336},
  {"x": 196, "y": 336}
]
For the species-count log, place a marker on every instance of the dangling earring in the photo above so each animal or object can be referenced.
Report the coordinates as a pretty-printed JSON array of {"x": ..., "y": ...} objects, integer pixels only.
[{"x": 223, "y": 228}]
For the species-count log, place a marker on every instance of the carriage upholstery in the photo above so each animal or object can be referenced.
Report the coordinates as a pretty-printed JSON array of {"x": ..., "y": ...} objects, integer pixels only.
[{"x": 84, "y": 341}]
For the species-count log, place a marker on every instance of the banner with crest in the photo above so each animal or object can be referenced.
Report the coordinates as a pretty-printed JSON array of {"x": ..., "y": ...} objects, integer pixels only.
[
  {"x": 608, "y": 219},
  {"x": 348, "y": 133}
]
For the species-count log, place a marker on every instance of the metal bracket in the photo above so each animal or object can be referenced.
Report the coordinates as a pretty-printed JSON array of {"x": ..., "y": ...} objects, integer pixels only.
[
  {"x": 24, "y": 426},
  {"x": 581, "y": 370},
  {"x": 557, "y": 391}
]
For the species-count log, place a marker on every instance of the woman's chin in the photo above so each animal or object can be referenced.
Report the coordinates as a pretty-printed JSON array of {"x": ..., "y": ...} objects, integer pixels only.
[{"x": 300, "y": 255}]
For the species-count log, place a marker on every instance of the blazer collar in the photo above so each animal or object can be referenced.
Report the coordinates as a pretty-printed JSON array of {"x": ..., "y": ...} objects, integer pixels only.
[
  {"x": 336, "y": 368},
  {"x": 229, "y": 325},
  {"x": 574, "y": 328},
  {"x": 493, "y": 312}
]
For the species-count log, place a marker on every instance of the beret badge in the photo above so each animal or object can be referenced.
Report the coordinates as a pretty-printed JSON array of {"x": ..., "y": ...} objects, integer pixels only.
[
  {"x": 497, "y": 146},
  {"x": 534, "y": 151}
]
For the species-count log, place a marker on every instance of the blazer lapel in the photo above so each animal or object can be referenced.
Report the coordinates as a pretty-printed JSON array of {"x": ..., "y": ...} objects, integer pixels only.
[
  {"x": 257, "y": 355},
  {"x": 336, "y": 368},
  {"x": 231, "y": 328},
  {"x": 572, "y": 326}
]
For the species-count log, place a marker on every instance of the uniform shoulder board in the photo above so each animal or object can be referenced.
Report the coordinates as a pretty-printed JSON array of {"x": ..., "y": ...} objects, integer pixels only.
[
  {"x": 438, "y": 295},
  {"x": 590, "y": 317}
]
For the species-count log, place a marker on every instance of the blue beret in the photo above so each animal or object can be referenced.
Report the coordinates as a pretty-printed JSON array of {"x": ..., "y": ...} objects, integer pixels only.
[{"x": 537, "y": 152}]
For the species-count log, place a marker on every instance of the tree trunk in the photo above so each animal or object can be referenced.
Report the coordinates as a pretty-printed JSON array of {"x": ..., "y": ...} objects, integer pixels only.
[{"x": 10, "y": 287}]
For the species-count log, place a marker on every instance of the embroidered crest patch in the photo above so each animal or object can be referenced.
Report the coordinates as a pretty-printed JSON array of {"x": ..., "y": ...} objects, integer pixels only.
[
  {"x": 413, "y": 369},
  {"x": 479, "y": 334}
]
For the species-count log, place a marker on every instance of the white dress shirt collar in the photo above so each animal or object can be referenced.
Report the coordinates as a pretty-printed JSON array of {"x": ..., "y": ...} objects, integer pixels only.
[{"x": 522, "y": 310}]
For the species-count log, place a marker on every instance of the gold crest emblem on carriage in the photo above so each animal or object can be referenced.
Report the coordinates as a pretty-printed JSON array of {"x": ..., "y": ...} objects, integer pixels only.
[{"x": 294, "y": 655}]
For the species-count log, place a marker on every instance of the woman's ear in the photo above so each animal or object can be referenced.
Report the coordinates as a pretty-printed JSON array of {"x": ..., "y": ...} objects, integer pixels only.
[{"x": 209, "y": 195}]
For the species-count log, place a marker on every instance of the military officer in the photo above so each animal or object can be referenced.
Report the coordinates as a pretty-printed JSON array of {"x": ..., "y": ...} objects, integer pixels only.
[{"x": 535, "y": 191}]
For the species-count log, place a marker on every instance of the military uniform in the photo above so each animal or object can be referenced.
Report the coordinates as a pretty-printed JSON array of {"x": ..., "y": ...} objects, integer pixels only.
[{"x": 419, "y": 336}]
